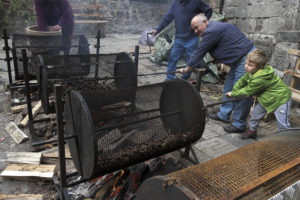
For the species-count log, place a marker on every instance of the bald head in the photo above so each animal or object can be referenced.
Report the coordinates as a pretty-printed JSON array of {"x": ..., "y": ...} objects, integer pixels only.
[
  {"x": 200, "y": 18},
  {"x": 199, "y": 24}
]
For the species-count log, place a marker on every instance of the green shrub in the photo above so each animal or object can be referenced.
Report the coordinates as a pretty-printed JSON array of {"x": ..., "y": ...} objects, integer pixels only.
[{"x": 13, "y": 11}]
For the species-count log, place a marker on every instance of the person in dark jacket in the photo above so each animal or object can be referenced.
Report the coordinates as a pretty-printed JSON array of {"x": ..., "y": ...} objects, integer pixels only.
[
  {"x": 271, "y": 92},
  {"x": 228, "y": 45},
  {"x": 55, "y": 15},
  {"x": 186, "y": 41}
]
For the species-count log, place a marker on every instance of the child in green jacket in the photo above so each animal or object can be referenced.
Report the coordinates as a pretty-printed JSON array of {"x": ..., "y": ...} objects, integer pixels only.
[{"x": 271, "y": 92}]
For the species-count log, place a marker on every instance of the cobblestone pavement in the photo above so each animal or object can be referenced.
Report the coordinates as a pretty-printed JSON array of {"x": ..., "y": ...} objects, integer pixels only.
[{"x": 214, "y": 142}]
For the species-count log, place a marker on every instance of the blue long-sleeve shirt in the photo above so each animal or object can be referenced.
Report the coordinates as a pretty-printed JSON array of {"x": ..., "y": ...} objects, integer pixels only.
[
  {"x": 183, "y": 16},
  {"x": 224, "y": 41}
]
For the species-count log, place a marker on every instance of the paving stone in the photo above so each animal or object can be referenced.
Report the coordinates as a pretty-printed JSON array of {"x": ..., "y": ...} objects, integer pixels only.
[
  {"x": 202, "y": 157},
  {"x": 212, "y": 130},
  {"x": 236, "y": 141},
  {"x": 215, "y": 147}
]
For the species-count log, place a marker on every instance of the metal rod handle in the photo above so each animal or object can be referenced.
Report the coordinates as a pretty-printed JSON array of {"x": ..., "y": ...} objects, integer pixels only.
[
  {"x": 137, "y": 121},
  {"x": 51, "y": 141},
  {"x": 227, "y": 101}
]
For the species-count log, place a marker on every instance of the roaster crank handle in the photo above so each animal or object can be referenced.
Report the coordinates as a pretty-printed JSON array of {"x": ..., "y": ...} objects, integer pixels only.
[
  {"x": 227, "y": 101},
  {"x": 202, "y": 69},
  {"x": 51, "y": 141}
]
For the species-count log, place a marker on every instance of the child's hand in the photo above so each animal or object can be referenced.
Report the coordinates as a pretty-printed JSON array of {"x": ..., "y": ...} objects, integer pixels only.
[{"x": 228, "y": 94}]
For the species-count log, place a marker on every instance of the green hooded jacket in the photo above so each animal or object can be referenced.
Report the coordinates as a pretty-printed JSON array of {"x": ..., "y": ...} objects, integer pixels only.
[{"x": 269, "y": 89}]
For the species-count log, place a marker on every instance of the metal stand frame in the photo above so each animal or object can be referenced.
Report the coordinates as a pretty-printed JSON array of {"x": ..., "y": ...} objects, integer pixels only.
[
  {"x": 28, "y": 100},
  {"x": 61, "y": 181},
  {"x": 13, "y": 85},
  {"x": 25, "y": 84}
]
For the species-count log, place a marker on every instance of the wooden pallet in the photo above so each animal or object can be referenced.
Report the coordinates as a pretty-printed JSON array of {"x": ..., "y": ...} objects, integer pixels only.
[{"x": 295, "y": 74}]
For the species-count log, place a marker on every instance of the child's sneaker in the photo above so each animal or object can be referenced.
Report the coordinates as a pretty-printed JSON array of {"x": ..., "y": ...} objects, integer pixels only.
[{"x": 249, "y": 134}]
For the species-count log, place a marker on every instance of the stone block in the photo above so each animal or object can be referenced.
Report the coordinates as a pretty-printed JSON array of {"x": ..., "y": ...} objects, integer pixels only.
[
  {"x": 262, "y": 10},
  {"x": 235, "y": 3},
  {"x": 288, "y": 36},
  {"x": 215, "y": 147},
  {"x": 254, "y": 25},
  {"x": 240, "y": 23},
  {"x": 272, "y": 25},
  {"x": 212, "y": 130},
  {"x": 280, "y": 58},
  {"x": 17, "y": 134},
  {"x": 236, "y": 12},
  {"x": 264, "y": 42}
]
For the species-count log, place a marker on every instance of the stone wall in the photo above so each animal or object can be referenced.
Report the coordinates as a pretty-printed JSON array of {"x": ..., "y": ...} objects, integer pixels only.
[
  {"x": 129, "y": 16},
  {"x": 273, "y": 25}
]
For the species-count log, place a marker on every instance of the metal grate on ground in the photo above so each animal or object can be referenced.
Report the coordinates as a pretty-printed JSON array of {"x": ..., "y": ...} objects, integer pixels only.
[{"x": 256, "y": 171}]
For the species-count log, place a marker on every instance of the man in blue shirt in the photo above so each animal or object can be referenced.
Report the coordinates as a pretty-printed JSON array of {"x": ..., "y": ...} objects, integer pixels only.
[
  {"x": 228, "y": 45},
  {"x": 186, "y": 41}
]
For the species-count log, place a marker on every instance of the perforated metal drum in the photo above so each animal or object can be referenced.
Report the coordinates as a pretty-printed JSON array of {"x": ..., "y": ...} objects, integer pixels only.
[{"x": 117, "y": 128}]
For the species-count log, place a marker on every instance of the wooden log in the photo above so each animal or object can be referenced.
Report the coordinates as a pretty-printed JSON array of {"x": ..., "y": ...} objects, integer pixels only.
[
  {"x": 50, "y": 156},
  {"x": 17, "y": 134},
  {"x": 55, "y": 154},
  {"x": 35, "y": 111},
  {"x": 19, "y": 108},
  {"x": 23, "y": 157},
  {"x": 29, "y": 172},
  {"x": 295, "y": 94},
  {"x": 292, "y": 73},
  {"x": 22, "y": 196},
  {"x": 294, "y": 52}
]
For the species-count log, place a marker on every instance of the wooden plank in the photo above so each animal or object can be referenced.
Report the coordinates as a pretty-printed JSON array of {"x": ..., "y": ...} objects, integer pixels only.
[
  {"x": 29, "y": 172},
  {"x": 50, "y": 156},
  {"x": 296, "y": 96},
  {"x": 19, "y": 108},
  {"x": 17, "y": 134},
  {"x": 295, "y": 90},
  {"x": 294, "y": 52},
  {"x": 23, "y": 157},
  {"x": 55, "y": 154},
  {"x": 292, "y": 73},
  {"x": 35, "y": 111},
  {"x": 21, "y": 196},
  {"x": 16, "y": 109}
]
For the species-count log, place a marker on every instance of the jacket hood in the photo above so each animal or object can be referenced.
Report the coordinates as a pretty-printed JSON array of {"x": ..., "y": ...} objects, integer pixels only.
[{"x": 267, "y": 73}]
